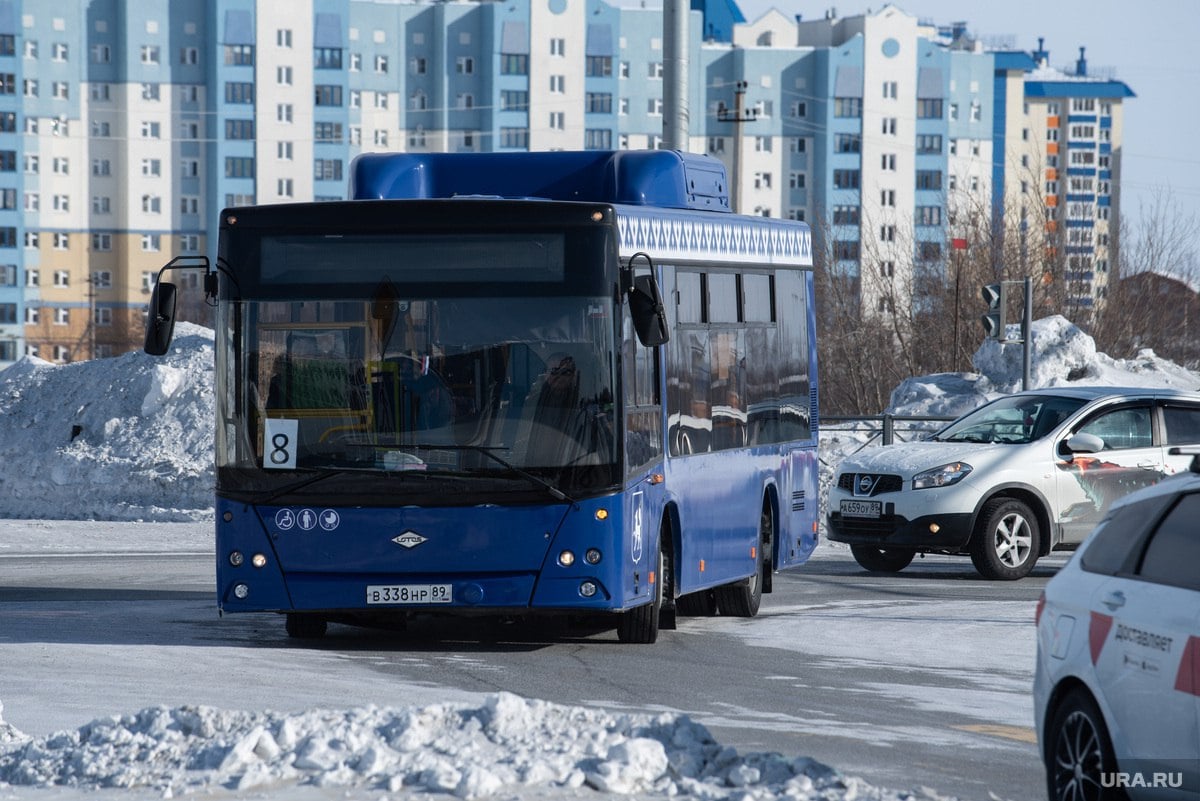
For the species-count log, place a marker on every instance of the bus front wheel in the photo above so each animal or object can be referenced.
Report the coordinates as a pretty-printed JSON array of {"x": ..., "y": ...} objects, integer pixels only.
[
  {"x": 640, "y": 625},
  {"x": 305, "y": 627}
]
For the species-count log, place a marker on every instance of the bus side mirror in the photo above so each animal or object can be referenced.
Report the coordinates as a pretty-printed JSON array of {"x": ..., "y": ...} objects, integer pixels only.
[
  {"x": 160, "y": 323},
  {"x": 646, "y": 308}
]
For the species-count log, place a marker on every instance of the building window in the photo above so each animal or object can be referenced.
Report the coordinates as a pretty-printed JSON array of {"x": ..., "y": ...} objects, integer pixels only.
[
  {"x": 327, "y": 169},
  {"x": 62, "y": 278},
  {"x": 847, "y": 107},
  {"x": 599, "y": 66},
  {"x": 929, "y": 215},
  {"x": 102, "y": 316},
  {"x": 151, "y": 243},
  {"x": 328, "y": 95},
  {"x": 239, "y": 167},
  {"x": 283, "y": 151},
  {"x": 514, "y": 100},
  {"x": 889, "y": 126},
  {"x": 381, "y": 65},
  {"x": 150, "y": 55},
  {"x": 846, "y": 179},
  {"x": 417, "y": 66},
  {"x": 929, "y": 109},
  {"x": 558, "y": 120},
  {"x": 597, "y": 139},
  {"x": 847, "y": 143},
  {"x": 62, "y": 316},
  {"x": 464, "y": 65},
  {"x": 887, "y": 198},
  {"x": 929, "y": 144},
  {"x": 845, "y": 215},
  {"x": 929, "y": 179},
  {"x": 514, "y": 138},
  {"x": 330, "y": 58},
  {"x": 328, "y": 131},
  {"x": 797, "y": 180}
]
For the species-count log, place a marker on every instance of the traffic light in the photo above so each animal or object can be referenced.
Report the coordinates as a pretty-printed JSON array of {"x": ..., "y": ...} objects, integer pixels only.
[{"x": 997, "y": 301}]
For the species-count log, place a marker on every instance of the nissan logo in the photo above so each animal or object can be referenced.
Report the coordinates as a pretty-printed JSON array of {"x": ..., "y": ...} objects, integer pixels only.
[{"x": 864, "y": 485}]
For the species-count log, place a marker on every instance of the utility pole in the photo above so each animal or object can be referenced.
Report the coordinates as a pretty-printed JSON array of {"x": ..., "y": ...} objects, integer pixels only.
[
  {"x": 738, "y": 116},
  {"x": 676, "y": 134}
]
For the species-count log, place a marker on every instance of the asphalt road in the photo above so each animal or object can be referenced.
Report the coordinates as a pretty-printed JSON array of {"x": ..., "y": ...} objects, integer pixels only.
[{"x": 909, "y": 680}]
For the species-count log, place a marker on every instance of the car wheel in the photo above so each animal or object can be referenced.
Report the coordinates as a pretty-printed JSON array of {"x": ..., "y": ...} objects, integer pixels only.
[
  {"x": 1078, "y": 752},
  {"x": 640, "y": 624},
  {"x": 1006, "y": 540},
  {"x": 882, "y": 560},
  {"x": 743, "y": 598},
  {"x": 305, "y": 627}
]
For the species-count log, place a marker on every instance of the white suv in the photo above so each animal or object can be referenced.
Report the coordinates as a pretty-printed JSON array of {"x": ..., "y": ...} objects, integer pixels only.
[{"x": 1012, "y": 479}]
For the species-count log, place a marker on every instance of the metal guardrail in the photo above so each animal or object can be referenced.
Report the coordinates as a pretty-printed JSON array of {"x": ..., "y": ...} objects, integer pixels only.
[{"x": 888, "y": 428}]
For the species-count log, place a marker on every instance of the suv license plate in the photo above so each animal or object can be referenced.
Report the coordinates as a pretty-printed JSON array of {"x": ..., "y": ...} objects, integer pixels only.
[
  {"x": 410, "y": 593},
  {"x": 862, "y": 508}
]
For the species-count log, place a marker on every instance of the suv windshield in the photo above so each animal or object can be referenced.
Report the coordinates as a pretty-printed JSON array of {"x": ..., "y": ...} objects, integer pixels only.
[{"x": 1015, "y": 419}]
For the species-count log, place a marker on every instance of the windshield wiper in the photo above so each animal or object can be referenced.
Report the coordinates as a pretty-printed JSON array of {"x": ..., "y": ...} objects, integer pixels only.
[
  {"x": 489, "y": 452},
  {"x": 300, "y": 484}
]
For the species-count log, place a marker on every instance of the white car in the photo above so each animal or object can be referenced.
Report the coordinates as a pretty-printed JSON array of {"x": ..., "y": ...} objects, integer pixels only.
[
  {"x": 1011, "y": 480},
  {"x": 1117, "y": 683}
]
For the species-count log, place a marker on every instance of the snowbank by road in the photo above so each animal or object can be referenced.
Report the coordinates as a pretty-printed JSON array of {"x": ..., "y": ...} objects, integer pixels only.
[{"x": 507, "y": 745}]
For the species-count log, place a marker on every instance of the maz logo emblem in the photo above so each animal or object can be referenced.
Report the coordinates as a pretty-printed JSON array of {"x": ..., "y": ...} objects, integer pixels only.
[{"x": 409, "y": 539}]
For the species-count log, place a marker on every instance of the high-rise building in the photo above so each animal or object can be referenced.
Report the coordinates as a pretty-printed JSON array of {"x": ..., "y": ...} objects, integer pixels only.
[{"x": 125, "y": 127}]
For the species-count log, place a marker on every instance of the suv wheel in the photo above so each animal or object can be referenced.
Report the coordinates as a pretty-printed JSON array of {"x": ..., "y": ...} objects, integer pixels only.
[
  {"x": 882, "y": 560},
  {"x": 1006, "y": 541}
]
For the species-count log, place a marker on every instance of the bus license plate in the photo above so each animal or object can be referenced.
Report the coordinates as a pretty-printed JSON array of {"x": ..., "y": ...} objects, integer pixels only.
[
  {"x": 410, "y": 593},
  {"x": 862, "y": 508}
]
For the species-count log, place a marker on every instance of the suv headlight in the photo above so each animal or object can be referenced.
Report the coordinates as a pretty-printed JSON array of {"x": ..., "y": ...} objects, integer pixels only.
[{"x": 942, "y": 476}]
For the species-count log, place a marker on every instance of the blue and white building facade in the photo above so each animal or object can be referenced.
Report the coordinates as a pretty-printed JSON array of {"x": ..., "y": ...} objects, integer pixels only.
[{"x": 125, "y": 127}]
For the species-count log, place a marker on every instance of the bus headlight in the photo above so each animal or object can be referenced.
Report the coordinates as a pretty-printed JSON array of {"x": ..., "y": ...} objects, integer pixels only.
[
  {"x": 587, "y": 589},
  {"x": 593, "y": 556},
  {"x": 236, "y": 558},
  {"x": 566, "y": 558},
  {"x": 258, "y": 560},
  {"x": 241, "y": 591}
]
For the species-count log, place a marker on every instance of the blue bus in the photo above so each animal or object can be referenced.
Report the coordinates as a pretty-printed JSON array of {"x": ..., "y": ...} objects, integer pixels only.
[{"x": 510, "y": 384}]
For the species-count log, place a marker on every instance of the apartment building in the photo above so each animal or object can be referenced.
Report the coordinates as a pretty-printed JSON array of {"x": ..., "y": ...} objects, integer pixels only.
[{"x": 125, "y": 127}]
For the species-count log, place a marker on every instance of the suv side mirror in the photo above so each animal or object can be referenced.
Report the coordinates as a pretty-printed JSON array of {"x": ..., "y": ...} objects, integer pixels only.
[
  {"x": 1085, "y": 443},
  {"x": 160, "y": 322}
]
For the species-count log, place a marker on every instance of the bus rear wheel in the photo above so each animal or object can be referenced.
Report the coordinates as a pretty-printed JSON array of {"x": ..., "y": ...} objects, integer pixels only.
[
  {"x": 742, "y": 598},
  {"x": 302, "y": 626},
  {"x": 640, "y": 625}
]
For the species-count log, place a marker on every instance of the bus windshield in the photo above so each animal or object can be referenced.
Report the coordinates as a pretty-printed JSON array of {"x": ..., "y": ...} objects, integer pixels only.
[{"x": 483, "y": 394}]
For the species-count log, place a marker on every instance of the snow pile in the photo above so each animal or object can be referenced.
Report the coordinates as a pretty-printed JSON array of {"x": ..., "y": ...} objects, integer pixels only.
[
  {"x": 507, "y": 744},
  {"x": 126, "y": 438},
  {"x": 1060, "y": 355}
]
